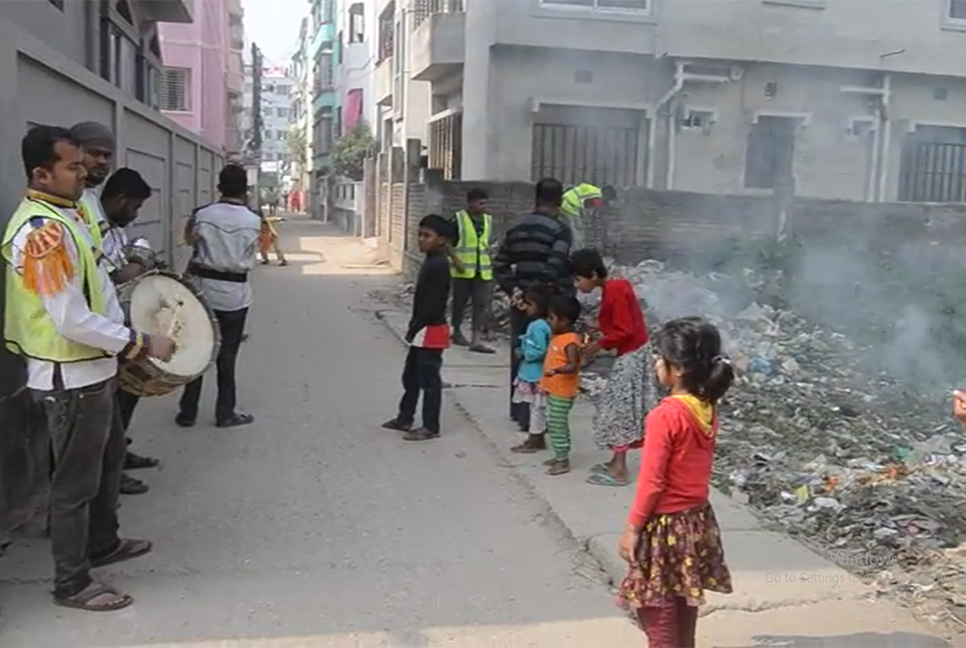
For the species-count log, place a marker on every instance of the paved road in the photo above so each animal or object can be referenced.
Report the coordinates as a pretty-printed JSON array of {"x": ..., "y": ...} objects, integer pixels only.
[{"x": 316, "y": 525}]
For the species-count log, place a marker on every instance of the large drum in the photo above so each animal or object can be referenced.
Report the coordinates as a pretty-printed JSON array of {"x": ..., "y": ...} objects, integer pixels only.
[{"x": 161, "y": 303}]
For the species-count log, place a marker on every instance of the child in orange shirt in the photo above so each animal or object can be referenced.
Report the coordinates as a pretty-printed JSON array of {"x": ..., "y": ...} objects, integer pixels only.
[{"x": 561, "y": 379}]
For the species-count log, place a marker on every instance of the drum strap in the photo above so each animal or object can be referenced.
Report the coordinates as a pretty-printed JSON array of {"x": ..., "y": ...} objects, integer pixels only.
[{"x": 218, "y": 275}]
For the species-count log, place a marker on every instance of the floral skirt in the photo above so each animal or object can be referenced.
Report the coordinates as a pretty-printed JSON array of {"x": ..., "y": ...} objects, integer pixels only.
[
  {"x": 627, "y": 397},
  {"x": 679, "y": 556}
]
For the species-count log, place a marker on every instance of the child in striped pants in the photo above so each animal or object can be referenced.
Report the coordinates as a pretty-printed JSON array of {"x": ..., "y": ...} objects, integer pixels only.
[{"x": 561, "y": 379}]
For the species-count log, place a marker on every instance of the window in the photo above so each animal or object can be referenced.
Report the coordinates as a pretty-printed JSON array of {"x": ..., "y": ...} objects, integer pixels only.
[
  {"x": 328, "y": 11},
  {"x": 386, "y": 32},
  {"x": 281, "y": 135},
  {"x": 357, "y": 23},
  {"x": 771, "y": 146},
  {"x": 326, "y": 71},
  {"x": 57, "y": 3},
  {"x": 635, "y": 6},
  {"x": 281, "y": 112},
  {"x": 175, "y": 92},
  {"x": 956, "y": 9}
]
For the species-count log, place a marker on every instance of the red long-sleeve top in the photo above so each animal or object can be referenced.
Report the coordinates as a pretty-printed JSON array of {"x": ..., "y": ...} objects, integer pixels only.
[
  {"x": 620, "y": 318},
  {"x": 679, "y": 442}
]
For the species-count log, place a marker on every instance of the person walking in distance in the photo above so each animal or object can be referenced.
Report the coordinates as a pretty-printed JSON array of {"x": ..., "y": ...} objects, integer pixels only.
[
  {"x": 224, "y": 237},
  {"x": 535, "y": 251},
  {"x": 63, "y": 318},
  {"x": 472, "y": 269},
  {"x": 121, "y": 199}
]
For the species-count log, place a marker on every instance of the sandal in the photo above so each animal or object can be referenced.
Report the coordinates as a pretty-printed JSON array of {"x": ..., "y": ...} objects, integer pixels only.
[
  {"x": 604, "y": 479},
  {"x": 137, "y": 462},
  {"x": 87, "y": 598},
  {"x": 127, "y": 550},
  {"x": 599, "y": 468}
]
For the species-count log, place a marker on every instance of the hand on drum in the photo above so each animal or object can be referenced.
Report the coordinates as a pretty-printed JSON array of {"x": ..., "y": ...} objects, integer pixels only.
[{"x": 160, "y": 347}]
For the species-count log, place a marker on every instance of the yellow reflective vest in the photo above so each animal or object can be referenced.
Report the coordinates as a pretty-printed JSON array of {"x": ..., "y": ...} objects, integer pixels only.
[
  {"x": 96, "y": 226},
  {"x": 28, "y": 329},
  {"x": 470, "y": 248}
]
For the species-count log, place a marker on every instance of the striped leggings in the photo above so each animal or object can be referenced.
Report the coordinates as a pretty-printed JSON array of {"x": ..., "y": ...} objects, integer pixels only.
[{"x": 558, "y": 425}]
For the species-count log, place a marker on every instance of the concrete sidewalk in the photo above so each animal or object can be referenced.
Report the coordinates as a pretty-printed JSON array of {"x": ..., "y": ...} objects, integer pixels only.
[{"x": 784, "y": 593}]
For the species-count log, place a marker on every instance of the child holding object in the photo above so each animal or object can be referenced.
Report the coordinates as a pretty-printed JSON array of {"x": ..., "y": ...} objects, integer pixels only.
[
  {"x": 561, "y": 379},
  {"x": 630, "y": 391},
  {"x": 532, "y": 352},
  {"x": 672, "y": 541}
]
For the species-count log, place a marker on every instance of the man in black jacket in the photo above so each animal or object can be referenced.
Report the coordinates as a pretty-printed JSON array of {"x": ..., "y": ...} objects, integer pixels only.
[{"x": 535, "y": 250}]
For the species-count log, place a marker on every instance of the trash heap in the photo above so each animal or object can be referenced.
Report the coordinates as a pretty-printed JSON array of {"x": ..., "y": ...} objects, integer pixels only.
[{"x": 849, "y": 460}]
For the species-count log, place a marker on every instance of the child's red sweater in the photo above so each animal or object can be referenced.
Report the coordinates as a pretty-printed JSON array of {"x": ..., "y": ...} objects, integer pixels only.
[
  {"x": 620, "y": 319},
  {"x": 677, "y": 459}
]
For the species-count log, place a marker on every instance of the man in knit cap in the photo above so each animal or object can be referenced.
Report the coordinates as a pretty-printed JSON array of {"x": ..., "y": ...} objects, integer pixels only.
[{"x": 97, "y": 142}]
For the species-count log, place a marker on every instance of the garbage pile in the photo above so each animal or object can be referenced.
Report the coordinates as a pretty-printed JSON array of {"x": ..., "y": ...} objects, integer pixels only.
[{"x": 849, "y": 460}]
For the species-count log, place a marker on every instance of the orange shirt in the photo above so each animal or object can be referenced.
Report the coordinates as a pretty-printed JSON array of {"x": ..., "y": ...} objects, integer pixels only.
[{"x": 560, "y": 385}]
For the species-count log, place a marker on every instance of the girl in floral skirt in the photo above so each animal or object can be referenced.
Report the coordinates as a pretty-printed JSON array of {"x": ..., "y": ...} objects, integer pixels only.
[
  {"x": 630, "y": 392},
  {"x": 672, "y": 541}
]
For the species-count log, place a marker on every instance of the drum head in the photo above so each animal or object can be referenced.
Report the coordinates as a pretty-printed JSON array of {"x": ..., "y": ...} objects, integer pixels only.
[{"x": 162, "y": 305}]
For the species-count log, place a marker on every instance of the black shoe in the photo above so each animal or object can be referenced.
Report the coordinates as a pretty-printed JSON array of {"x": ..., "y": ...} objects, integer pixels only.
[
  {"x": 396, "y": 426},
  {"x": 459, "y": 340},
  {"x": 184, "y": 421},
  {"x": 136, "y": 462},
  {"x": 236, "y": 420},
  {"x": 420, "y": 434},
  {"x": 132, "y": 486}
]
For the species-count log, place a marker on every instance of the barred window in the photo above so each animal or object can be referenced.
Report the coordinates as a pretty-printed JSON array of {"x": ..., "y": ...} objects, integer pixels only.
[{"x": 176, "y": 89}]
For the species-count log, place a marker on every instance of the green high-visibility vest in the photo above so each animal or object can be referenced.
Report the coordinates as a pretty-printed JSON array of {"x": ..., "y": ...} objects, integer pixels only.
[
  {"x": 96, "y": 226},
  {"x": 471, "y": 248},
  {"x": 28, "y": 330},
  {"x": 575, "y": 197}
]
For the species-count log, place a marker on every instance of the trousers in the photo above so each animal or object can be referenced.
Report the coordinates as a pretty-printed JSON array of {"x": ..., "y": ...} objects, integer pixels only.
[
  {"x": 421, "y": 373},
  {"x": 670, "y": 626},
  {"x": 519, "y": 412},
  {"x": 87, "y": 442},
  {"x": 475, "y": 291},
  {"x": 558, "y": 425},
  {"x": 126, "y": 403},
  {"x": 232, "y": 327}
]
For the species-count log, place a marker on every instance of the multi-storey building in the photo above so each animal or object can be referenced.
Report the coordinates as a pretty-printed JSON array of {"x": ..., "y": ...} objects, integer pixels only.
[
  {"x": 322, "y": 27},
  {"x": 202, "y": 78},
  {"x": 300, "y": 119},
  {"x": 402, "y": 109},
  {"x": 277, "y": 88},
  {"x": 851, "y": 100},
  {"x": 354, "y": 66}
]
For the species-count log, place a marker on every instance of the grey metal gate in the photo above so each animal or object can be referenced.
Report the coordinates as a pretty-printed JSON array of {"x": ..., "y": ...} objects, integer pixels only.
[
  {"x": 933, "y": 172},
  {"x": 596, "y": 154}
]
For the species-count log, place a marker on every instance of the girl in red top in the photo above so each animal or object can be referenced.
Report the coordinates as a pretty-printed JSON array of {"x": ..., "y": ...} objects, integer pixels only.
[
  {"x": 672, "y": 541},
  {"x": 630, "y": 391}
]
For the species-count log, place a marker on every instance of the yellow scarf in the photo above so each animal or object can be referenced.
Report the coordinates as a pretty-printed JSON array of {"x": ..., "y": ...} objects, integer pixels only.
[{"x": 703, "y": 411}]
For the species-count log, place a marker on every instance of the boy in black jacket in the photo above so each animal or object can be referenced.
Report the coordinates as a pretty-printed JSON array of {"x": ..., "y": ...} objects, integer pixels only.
[{"x": 428, "y": 334}]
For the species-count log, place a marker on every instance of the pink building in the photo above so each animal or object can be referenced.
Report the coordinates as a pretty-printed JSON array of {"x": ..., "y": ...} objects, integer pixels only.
[{"x": 202, "y": 81}]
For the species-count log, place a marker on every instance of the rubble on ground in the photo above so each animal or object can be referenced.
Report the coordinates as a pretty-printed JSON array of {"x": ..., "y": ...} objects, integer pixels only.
[{"x": 853, "y": 462}]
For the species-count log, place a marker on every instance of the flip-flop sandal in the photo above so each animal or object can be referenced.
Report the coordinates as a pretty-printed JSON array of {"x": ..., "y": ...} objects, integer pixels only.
[
  {"x": 127, "y": 550},
  {"x": 603, "y": 479},
  {"x": 83, "y": 599},
  {"x": 598, "y": 468}
]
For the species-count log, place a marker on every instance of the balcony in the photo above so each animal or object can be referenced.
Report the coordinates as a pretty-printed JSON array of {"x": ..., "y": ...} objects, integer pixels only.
[
  {"x": 438, "y": 46},
  {"x": 382, "y": 82},
  {"x": 171, "y": 11}
]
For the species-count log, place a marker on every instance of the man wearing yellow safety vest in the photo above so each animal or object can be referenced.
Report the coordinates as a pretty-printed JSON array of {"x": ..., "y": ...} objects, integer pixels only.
[
  {"x": 471, "y": 269},
  {"x": 97, "y": 143},
  {"x": 63, "y": 318},
  {"x": 578, "y": 203}
]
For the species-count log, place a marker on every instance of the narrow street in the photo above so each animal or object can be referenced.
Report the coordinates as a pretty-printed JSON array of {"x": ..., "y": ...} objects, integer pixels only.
[{"x": 314, "y": 527}]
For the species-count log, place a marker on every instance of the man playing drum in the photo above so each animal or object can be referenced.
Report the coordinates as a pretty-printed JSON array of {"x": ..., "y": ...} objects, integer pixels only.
[
  {"x": 62, "y": 316},
  {"x": 123, "y": 194},
  {"x": 224, "y": 236}
]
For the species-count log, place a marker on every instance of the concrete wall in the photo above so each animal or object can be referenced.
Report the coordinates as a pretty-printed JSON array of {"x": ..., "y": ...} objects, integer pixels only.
[{"x": 42, "y": 86}]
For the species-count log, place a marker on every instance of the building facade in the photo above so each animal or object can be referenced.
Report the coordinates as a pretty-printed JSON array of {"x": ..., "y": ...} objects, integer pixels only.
[
  {"x": 202, "y": 82},
  {"x": 322, "y": 57},
  {"x": 354, "y": 66},
  {"x": 300, "y": 122},
  {"x": 723, "y": 96}
]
